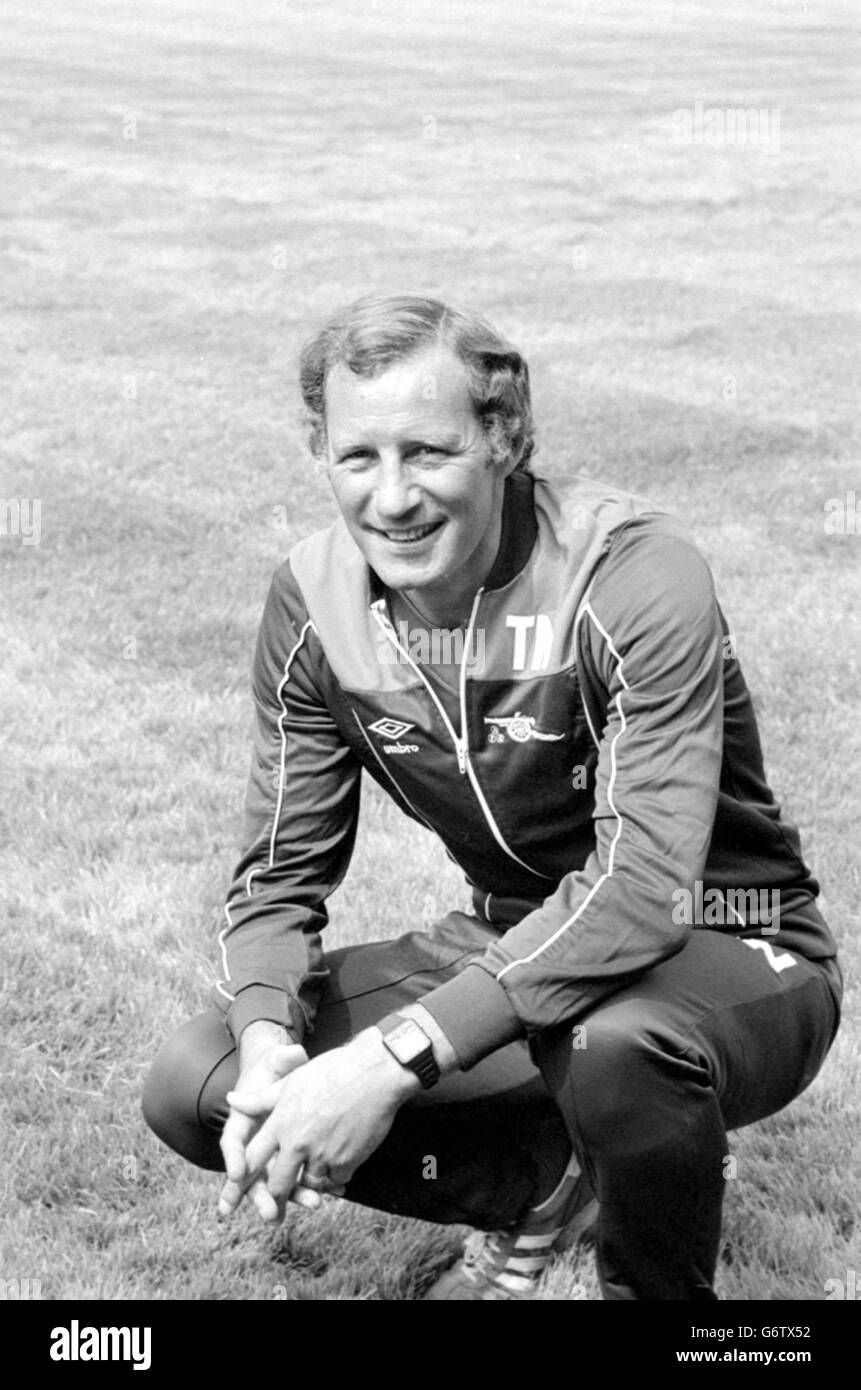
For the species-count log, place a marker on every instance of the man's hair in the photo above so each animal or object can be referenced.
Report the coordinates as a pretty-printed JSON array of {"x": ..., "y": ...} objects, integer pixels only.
[{"x": 371, "y": 334}]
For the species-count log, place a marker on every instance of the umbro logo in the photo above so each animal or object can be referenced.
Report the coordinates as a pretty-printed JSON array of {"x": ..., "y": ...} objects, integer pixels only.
[
  {"x": 390, "y": 728},
  {"x": 393, "y": 729}
]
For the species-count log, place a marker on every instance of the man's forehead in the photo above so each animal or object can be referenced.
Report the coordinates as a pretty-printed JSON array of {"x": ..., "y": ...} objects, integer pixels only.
[{"x": 433, "y": 380}]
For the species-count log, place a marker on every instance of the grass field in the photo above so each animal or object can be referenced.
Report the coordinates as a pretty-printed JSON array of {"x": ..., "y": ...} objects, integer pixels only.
[{"x": 187, "y": 188}]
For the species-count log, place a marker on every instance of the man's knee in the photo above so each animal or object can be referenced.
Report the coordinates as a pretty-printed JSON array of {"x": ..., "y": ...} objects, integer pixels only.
[
  {"x": 612, "y": 1067},
  {"x": 183, "y": 1096},
  {"x": 623, "y": 1077}
]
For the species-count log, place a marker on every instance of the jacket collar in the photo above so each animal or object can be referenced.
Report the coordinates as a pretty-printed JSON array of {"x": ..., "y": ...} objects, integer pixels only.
[{"x": 519, "y": 529}]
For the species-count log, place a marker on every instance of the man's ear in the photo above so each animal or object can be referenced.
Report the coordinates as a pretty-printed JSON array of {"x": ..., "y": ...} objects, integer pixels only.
[
  {"x": 505, "y": 464},
  {"x": 500, "y": 456}
]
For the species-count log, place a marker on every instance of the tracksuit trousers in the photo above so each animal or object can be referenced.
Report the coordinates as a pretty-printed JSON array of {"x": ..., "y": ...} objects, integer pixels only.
[{"x": 644, "y": 1088}]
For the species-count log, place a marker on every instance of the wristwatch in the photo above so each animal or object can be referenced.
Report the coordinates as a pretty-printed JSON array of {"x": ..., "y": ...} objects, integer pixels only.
[{"x": 410, "y": 1045}]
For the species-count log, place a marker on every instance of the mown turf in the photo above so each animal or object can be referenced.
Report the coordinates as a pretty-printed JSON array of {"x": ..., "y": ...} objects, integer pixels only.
[{"x": 188, "y": 188}]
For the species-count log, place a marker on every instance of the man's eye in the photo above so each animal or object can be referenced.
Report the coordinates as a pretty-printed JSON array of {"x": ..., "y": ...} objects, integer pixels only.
[{"x": 428, "y": 451}]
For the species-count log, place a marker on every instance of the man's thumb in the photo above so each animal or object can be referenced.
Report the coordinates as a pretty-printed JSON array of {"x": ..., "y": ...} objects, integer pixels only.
[
  {"x": 255, "y": 1103},
  {"x": 286, "y": 1057}
]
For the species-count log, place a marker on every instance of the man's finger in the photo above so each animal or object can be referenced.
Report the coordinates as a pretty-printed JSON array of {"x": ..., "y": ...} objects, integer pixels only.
[
  {"x": 339, "y": 1177},
  {"x": 233, "y": 1191},
  {"x": 229, "y": 1198},
  {"x": 281, "y": 1161},
  {"x": 261, "y": 1148},
  {"x": 237, "y": 1185},
  {"x": 244, "y": 1163},
  {"x": 306, "y": 1197},
  {"x": 234, "y": 1139},
  {"x": 286, "y": 1057},
  {"x": 254, "y": 1103},
  {"x": 284, "y": 1174},
  {"x": 264, "y": 1203}
]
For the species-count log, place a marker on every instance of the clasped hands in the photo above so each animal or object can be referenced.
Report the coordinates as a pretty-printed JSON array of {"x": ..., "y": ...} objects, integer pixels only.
[{"x": 291, "y": 1117}]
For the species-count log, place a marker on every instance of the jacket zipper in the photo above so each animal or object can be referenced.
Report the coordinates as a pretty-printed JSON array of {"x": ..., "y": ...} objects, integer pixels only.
[
  {"x": 383, "y": 619},
  {"x": 461, "y": 742}
]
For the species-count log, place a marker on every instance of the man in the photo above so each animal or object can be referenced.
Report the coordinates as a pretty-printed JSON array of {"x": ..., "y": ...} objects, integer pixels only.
[{"x": 644, "y": 965}]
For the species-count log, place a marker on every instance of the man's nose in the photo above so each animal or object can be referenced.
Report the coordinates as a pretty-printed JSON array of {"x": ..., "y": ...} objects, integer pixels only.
[{"x": 394, "y": 491}]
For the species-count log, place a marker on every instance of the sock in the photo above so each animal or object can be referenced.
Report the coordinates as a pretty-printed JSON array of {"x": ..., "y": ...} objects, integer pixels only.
[{"x": 551, "y": 1152}]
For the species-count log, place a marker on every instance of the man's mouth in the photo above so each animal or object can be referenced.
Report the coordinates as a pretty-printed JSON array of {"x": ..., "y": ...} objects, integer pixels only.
[{"x": 409, "y": 535}]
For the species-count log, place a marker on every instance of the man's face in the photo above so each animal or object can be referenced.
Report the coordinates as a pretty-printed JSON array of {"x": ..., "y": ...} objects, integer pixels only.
[{"x": 410, "y": 467}]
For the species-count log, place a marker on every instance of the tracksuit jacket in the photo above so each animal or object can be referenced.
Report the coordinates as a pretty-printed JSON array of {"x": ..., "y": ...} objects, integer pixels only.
[{"x": 598, "y": 761}]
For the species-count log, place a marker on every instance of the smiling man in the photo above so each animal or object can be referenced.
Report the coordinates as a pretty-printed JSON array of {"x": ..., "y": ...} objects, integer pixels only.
[
  {"x": 414, "y": 475},
  {"x": 566, "y": 1058}
]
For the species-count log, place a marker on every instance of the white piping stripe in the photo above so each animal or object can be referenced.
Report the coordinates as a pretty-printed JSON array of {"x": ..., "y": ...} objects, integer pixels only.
[
  {"x": 608, "y": 639},
  {"x": 467, "y": 648},
  {"x": 224, "y": 965},
  {"x": 577, "y": 621},
  {"x": 526, "y": 960},
  {"x": 277, "y": 815},
  {"x": 494, "y": 828}
]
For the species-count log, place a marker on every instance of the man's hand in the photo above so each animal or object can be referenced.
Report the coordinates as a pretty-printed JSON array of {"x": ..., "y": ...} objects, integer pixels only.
[
  {"x": 329, "y": 1116},
  {"x": 265, "y": 1059}
]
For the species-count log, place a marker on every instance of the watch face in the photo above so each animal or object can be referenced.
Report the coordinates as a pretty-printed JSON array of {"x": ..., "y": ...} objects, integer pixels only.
[{"x": 407, "y": 1041}]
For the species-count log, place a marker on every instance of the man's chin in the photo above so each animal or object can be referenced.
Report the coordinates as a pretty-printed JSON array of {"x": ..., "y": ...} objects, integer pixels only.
[
  {"x": 404, "y": 571},
  {"x": 404, "y": 576}
]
